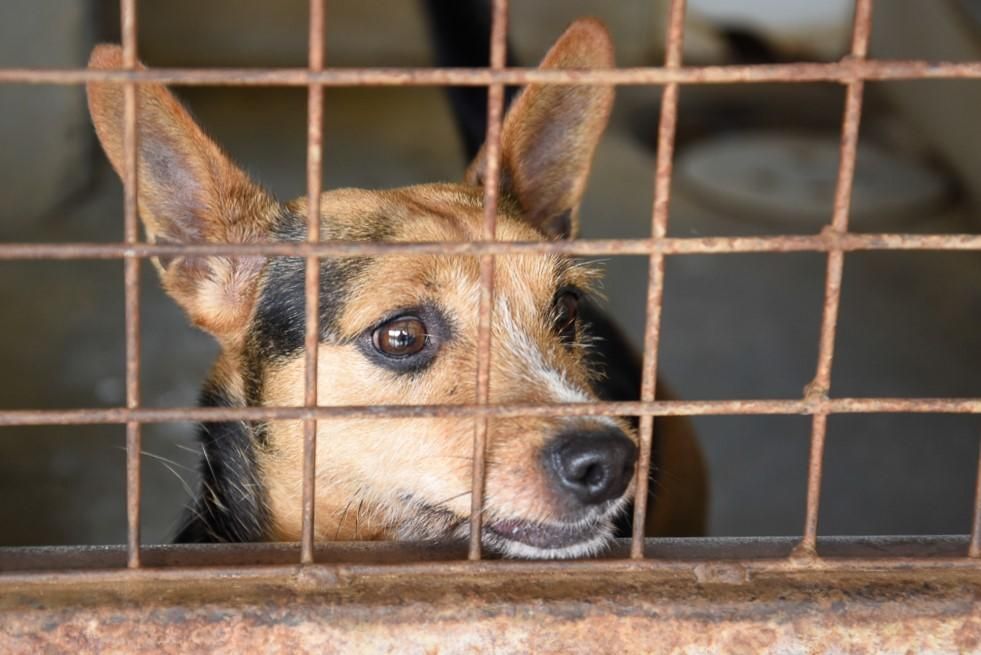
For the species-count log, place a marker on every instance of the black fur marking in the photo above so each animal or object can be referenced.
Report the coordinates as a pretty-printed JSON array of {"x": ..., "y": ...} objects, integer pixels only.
[
  {"x": 229, "y": 506},
  {"x": 279, "y": 325},
  {"x": 559, "y": 226}
]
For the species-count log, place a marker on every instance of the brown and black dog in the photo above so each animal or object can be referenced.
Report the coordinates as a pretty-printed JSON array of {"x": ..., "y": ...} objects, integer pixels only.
[{"x": 401, "y": 329}]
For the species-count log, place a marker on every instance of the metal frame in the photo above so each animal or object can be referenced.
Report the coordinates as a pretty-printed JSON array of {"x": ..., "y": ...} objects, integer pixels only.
[{"x": 835, "y": 240}]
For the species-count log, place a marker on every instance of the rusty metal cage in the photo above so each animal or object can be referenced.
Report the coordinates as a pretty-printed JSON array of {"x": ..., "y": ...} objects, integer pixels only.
[{"x": 950, "y": 572}]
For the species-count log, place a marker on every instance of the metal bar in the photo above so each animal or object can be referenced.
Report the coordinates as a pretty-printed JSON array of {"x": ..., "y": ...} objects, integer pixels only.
[
  {"x": 326, "y": 575},
  {"x": 131, "y": 282},
  {"x": 821, "y": 385},
  {"x": 841, "y": 72},
  {"x": 91, "y": 416},
  {"x": 492, "y": 153},
  {"x": 655, "y": 283},
  {"x": 648, "y": 606},
  {"x": 315, "y": 121},
  {"x": 698, "y": 549},
  {"x": 975, "y": 546},
  {"x": 824, "y": 242}
]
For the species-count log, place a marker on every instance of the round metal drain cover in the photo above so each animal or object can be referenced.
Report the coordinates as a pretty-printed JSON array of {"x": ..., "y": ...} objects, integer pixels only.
[{"x": 776, "y": 177}]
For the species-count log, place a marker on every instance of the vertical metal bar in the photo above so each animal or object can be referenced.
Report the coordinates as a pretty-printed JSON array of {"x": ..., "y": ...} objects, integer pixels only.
[
  {"x": 131, "y": 281},
  {"x": 492, "y": 151},
  {"x": 655, "y": 283},
  {"x": 975, "y": 548},
  {"x": 821, "y": 385},
  {"x": 312, "y": 281}
]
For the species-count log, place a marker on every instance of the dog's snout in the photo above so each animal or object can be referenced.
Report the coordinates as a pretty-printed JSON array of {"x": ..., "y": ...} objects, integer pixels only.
[{"x": 592, "y": 466}]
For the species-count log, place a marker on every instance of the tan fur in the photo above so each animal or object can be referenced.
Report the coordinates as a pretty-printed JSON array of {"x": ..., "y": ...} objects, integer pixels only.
[{"x": 378, "y": 478}]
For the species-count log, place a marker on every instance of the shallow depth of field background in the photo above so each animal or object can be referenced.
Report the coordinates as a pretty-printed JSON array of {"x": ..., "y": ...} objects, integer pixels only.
[{"x": 751, "y": 160}]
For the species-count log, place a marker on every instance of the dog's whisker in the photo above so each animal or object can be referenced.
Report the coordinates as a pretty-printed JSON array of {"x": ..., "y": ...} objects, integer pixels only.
[
  {"x": 340, "y": 522},
  {"x": 452, "y": 498},
  {"x": 463, "y": 457},
  {"x": 357, "y": 520}
]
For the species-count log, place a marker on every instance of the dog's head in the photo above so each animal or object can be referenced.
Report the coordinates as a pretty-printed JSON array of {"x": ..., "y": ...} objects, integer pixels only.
[{"x": 402, "y": 329}]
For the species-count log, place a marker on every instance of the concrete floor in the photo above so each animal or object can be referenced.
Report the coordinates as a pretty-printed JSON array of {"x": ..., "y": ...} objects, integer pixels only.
[{"x": 737, "y": 326}]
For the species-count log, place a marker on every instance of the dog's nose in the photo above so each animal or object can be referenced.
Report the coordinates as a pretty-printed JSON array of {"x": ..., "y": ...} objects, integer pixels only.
[{"x": 592, "y": 466}]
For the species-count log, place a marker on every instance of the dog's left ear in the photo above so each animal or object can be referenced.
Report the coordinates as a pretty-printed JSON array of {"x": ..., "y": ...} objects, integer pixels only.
[{"x": 551, "y": 132}]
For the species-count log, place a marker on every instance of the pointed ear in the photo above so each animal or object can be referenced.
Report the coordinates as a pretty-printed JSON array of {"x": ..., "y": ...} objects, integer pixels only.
[
  {"x": 551, "y": 132},
  {"x": 188, "y": 192}
]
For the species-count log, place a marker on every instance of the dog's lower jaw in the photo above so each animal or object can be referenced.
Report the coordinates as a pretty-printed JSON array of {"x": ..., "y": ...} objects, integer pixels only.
[
  {"x": 523, "y": 540},
  {"x": 593, "y": 545},
  {"x": 512, "y": 537}
]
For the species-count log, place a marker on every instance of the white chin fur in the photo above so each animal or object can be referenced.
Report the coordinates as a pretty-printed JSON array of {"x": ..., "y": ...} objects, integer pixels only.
[
  {"x": 520, "y": 550},
  {"x": 591, "y": 545}
]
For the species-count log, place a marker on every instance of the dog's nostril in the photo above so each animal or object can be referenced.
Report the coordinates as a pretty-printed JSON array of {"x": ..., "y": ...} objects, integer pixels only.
[{"x": 592, "y": 466}]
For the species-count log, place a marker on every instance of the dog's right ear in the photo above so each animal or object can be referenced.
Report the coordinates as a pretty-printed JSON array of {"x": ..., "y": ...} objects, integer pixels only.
[
  {"x": 188, "y": 192},
  {"x": 551, "y": 132}
]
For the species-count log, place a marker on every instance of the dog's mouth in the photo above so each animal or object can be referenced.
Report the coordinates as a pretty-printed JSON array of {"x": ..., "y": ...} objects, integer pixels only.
[
  {"x": 534, "y": 540},
  {"x": 543, "y": 535},
  {"x": 515, "y": 537}
]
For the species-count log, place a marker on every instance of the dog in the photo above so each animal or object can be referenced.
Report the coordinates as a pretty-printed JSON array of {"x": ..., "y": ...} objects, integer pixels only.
[{"x": 401, "y": 329}]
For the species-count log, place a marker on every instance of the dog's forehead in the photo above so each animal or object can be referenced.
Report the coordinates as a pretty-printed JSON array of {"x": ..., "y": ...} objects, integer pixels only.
[
  {"x": 382, "y": 285},
  {"x": 430, "y": 212}
]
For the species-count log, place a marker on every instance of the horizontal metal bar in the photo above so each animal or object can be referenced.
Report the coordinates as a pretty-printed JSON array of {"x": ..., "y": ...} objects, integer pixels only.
[
  {"x": 206, "y": 557},
  {"x": 583, "y": 247},
  {"x": 844, "y": 71},
  {"x": 701, "y": 549},
  {"x": 88, "y": 416},
  {"x": 870, "y": 604},
  {"x": 332, "y": 574}
]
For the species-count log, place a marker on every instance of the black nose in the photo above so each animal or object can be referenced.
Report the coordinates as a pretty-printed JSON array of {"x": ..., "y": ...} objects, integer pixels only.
[{"x": 592, "y": 465}]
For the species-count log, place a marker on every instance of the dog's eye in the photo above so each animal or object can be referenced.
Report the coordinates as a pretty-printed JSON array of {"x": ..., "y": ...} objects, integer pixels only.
[
  {"x": 401, "y": 337},
  {"x": 567, "y": 313}
]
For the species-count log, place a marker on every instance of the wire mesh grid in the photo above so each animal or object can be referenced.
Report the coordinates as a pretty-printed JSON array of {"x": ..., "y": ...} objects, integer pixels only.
[{"x": 835, "y": 240}]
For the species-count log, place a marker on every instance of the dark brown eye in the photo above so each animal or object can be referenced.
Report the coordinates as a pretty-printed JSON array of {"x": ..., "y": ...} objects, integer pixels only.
[
  {"x": 400, "y": 337},
  {"x": 566, "y": 313}
]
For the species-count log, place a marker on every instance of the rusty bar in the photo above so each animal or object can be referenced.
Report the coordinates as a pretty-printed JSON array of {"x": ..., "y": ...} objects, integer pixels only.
[
  {"x": 325, "y": 575},
  {"x": 352, "y": 561},
  {"x": 131, "y": 282},
  {"x": 821, "y": 385},
  {"x": 513, "y": 607},
  {"x": 655, "y": 283},
  {"x": 91, "y": 416},
  {"x": 315, "y": 121},
  {"x": 230, "y": 555},
  {"x": 492, "y": 152},
  {"x": 706, "y": 591},
  {"x": 824, "y": 242},
  {"x": 975, "y": 547},
  {"x": 838, "y": 72}
]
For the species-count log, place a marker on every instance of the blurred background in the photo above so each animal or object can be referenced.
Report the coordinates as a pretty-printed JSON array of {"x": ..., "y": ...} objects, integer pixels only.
[{"x": 751, "y": 159}]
